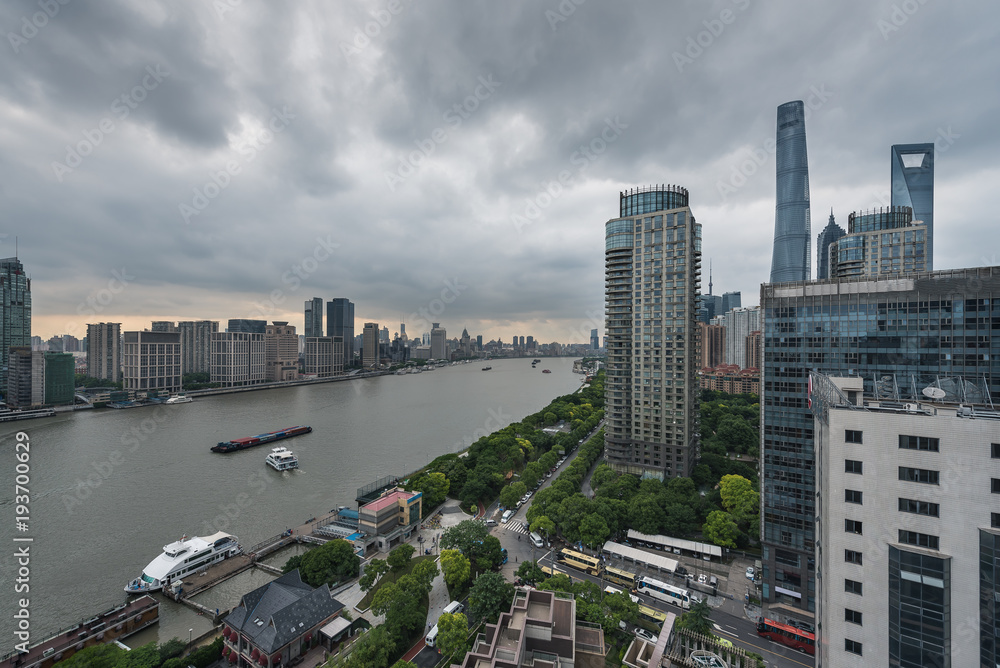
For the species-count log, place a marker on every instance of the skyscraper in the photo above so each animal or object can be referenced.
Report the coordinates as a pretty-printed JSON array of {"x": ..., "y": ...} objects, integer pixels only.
[
  {"x": 439, "y": 342},
  {"x": 15, "y": 311},
  {"x": 104, "y": 351},
  {"x": 830, "y": 233},
  {"x": 731, "y": 300},
  {"x": 340, "y": 322},
  {"x": 244, "y": 326},
  {"x": 652, "y": 274},
  {"x": 595, "y": 342},
  {"x": 314, "y": 317},
  {"x": 196, "y": 345},
  {"x": 790, "y": 259},
  {"x": 913, "y": 186},
  {"x": 898, "y": 335},
  {"x": 369, "y": 356}
]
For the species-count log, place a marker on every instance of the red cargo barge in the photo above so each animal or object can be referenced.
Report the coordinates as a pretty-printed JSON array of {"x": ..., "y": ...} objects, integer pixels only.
[{"x": 260, "y": 439}]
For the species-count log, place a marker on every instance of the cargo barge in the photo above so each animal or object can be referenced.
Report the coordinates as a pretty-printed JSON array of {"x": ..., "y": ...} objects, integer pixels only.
[{"x": 260, "y": 439}]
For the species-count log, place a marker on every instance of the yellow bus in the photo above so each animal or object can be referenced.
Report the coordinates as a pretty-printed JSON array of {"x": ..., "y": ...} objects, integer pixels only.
[
  {"x": 619, "y": 576},
  {"x": 551, "y": 572},
  {"x": 652, "y": 616},
  {"x": 580, "y": 561}
]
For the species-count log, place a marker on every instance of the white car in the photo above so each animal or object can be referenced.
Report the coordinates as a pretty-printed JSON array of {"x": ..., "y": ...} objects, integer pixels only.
[
  {"x": 702, "y": 578},
  {"x": 643, "y": 634},
  {"x": 750, "y": 572}
]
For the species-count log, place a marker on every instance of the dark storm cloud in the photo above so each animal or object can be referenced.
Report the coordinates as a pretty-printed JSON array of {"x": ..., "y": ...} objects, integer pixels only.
[{"x": 420, "y": 145}]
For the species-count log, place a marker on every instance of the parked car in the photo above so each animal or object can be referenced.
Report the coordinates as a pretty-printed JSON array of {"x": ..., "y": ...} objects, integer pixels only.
[
  {"x": 702, "y": 578},
  {"x": 645, "y": 635},
  {"x": 750, "y": 572},
  {"x": 681, "y": 571}
]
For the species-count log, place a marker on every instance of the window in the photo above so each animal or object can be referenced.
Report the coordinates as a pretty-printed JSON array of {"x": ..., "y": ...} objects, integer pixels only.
[
  {"x": 995, "y": 450},
  {"x": 852, "y": 587},
  {"x": 852, "y": 436},
  {"x": 995, "y": 520},
  {"x": 918, "y": 443},
  {"x": 852, "y": 646},
  {"x": 852, "y": 557},
  {"x": 919, "y": 507},
  {"x": 918, "y": 539},
  {"x": 852, "y": 496},
  {"x": 852, "y": 526},
  {"x": 918, "y": 475},
  {"x": 852, "y": 616},
  {"x": 852, "y": 466},
  {"x": 995, "y": 485}
]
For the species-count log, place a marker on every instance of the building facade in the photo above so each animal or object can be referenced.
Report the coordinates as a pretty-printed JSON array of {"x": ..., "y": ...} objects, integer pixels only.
[
  {"x": 281, "y": 351},
  {"x": 163, "y": 326},
  {"x": 731, "y": 300},
  {"x": 883, "y": 241},
  {"x": 913, "y": 186},
  {"x": 652, "y": 282},
  {"x": 908, "y": 527},
  {"x": 244, "y": 326},
  {"x": 340, "y": 322},
  {"x": 790, "y": 259},
  {"x": 104, "y": 351},
  {"x": 370, "y": 345},
  {"x": 439, "y": 342},
  {"x": 898, "y": 335},
  {"x": 196, "y": 345},
  {"x": 324, "y": 356},
  {"x": 151, "y": 361},
  {"x": 238, "y": 358},
  {"x": 15, "y": 311},
  {"x": 731, "y": 379},
  {"x": 18, "y": 391},
  {"x": 738, "y": 324},
  {"x": 314, "y": 317},
  {"x": 830, "y": 233},
  {"x": 713, "y": 344}
]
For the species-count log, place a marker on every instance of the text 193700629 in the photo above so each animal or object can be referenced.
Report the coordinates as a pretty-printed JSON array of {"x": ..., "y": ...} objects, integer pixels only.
[{"x": 22, "y": 547}]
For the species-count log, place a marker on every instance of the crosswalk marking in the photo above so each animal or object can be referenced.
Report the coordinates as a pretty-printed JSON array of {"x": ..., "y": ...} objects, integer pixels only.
[{"x": 517, "y": 527}]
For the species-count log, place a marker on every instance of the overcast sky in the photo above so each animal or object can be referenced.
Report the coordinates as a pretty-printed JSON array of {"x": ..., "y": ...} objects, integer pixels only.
[{"x": 211, "y": 160}]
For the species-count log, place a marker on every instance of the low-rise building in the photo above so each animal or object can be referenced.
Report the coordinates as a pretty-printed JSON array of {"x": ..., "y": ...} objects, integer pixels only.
[
  {"x": 391, "y": 516},
  {"x": 731, "y": 379}
]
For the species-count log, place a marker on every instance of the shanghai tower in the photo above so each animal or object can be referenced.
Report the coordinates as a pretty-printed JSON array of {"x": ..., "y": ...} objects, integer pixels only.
[{"x": 790, "y": 259}]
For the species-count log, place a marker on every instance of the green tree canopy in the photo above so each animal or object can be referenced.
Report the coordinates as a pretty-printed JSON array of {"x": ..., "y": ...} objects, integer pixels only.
[
  {"x": 490, "y": 595},
  {"x": 543, "y": 526},
  {"x": 375, "y": 569},
  {"x": 95, "y": 656},
  {"x": 435, "y": 487},
  {"x": 400, "y": 557},
  {"x": 721, "y": 529},
  {"x": 329, "y": 563},
  {"x": 456, "y": 567},
  {"x": 530, "y": 572},
  {"x": 697, "y": 619},
  {"x": 453, "y": 630}
]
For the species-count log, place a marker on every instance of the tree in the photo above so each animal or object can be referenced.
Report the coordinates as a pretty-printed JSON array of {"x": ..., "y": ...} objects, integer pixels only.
[
  {"x": 602, "y": 474},
  {"x": 737, "y": 435},
  {"x": 543, "y": 526},
  {"x": 456, "y": 567},
  {"x": 594, "y": 530},
  {"x": 375, "y": 569},
  {"x": 509, "y": 497},
  {"x": 737, "y": 493},
  {"x": 329, "y": 563},
  {"x": 490, "y": 595},
  {"x": 147, "y": 656},
  {"x": 531, "y": 474},
  {"x": 529, "y": 572},
  {"x": 170, "y": 649},
  {"x": 697, "y": 619},
  {"x": 680, "y": 520},
  {"x": 453, "y": 630},
  {"x": 435, "y": 487},
  {"x": 402, "y": 604},
  {"x": 550, "y": 418},
  {"x": 95, "y": 656},
  {"x": 425, "y": 571},
  {"x": 721, "y": 529},
  {"x": 372, "y": 650},
  {"x": 400, "y": 556},
  {"x": 645, "y": 515},
  {"x": 618, "y": 608},
  {"x": 489, "y": 554},
  {"x": 464, "y": 536},
  {"x": 404, "y": 664}
]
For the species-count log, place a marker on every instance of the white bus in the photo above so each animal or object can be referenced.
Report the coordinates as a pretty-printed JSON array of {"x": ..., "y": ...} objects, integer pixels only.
[{"x": 665, "y": 592}]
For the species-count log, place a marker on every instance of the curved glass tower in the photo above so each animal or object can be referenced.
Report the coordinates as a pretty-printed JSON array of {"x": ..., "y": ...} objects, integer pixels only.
[
  {"x": 790, "y": 259},
  {"x": 913, "y": 186}
]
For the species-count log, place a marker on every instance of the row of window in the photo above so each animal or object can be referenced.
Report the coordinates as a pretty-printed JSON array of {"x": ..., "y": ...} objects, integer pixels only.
[{"x": 905, "y": 442}]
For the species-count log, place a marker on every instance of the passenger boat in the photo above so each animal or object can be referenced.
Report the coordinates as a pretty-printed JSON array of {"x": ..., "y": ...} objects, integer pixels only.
[
  {"x": 260, "y": 439},
  {"x": 282, "y": 459},
  {"x": 183, "y": 557},
  {"x": 546, "y": 371},
  {"x": 179, "y": 399},
  {"x": 487, "y": 368}
]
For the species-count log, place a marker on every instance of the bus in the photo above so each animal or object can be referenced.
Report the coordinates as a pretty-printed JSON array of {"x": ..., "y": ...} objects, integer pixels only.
[
  {"x": 787, "y": 635},
  {"x": 652, "y": 616},
  {"x": 551, "y": 572},
  {"x": 579, "y": 561},
  {"x": 665, "y": 592},
  {"x": 619, "y": 576},
  {"x": 611, "y": 590}
]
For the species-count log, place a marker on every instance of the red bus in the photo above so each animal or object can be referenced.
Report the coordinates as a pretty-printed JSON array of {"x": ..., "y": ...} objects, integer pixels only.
[{"x": 787, "y": 635}]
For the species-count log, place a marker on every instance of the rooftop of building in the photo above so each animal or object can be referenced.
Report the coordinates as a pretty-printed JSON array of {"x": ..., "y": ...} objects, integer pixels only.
[
  {"x": 881, "y": 283},
  {"x": 389, "y": 499}
]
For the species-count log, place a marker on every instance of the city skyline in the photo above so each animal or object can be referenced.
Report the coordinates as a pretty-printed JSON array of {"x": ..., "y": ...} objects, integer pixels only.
[{"x": 150, "y": 180}]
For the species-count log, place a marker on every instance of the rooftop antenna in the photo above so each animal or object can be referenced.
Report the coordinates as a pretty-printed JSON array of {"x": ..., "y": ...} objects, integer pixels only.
[{"x": 710, "y": 276}]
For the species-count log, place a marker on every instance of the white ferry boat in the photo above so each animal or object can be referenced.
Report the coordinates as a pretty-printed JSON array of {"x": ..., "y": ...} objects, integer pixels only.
[
  {"x": 179, "y": 399},
  {"x": 183, "y": 557},
  {"x": 282, "y": 459}
]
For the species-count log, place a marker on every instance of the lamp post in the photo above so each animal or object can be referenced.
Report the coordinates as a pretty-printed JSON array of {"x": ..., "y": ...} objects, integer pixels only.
[{"x": 190, "y": 631}]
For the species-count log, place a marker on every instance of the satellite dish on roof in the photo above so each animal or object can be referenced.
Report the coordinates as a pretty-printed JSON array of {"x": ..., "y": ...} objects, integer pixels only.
[{"x": 934, "y": 392}]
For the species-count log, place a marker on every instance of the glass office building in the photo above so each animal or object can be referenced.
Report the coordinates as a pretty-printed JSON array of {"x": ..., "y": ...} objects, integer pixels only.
[
  {"x": 790, "y": 259},
  {"x": 913, "y": 186},
  {"x": 15, "y": 311},
  {"x": 898, "y": 333},
  {"x": 830, "y": 233},
  {"x": 340, "y": 322},
  {"x": 881, "y": 241},
  {"x": 652, "y": 281}
]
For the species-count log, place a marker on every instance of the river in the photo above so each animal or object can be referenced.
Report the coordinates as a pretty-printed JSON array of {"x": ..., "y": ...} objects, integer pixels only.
[{"x": 109, "y": 488}]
